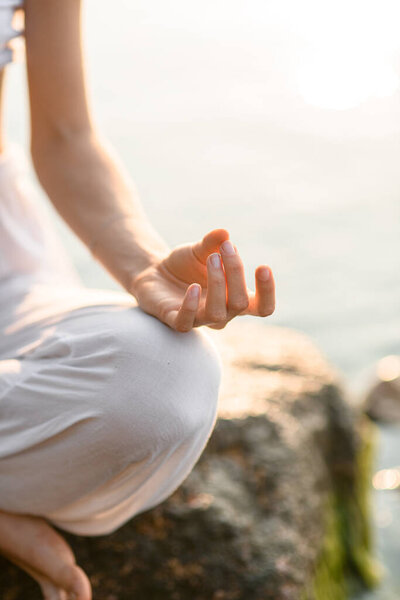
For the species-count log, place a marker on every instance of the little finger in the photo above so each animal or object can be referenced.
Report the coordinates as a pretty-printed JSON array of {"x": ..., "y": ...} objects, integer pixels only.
[{"x": 265, "y": 292}]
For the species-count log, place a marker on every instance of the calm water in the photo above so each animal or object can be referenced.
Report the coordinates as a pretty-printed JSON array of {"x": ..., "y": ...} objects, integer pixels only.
[{"x": 215, "y": 119}]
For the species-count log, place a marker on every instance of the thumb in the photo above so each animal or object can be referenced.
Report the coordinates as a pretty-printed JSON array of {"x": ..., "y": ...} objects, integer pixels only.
[{"x": 209, "y": 244}]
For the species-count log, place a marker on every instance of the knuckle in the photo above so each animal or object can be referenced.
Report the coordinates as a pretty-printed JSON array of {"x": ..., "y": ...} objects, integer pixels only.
[
  {"x": 239, "y": 304},
  {"x": 266, "y": 311},
  {"x": 217, "y": 316},
  {"x": 218, "y": 279},
  {"x": 217, "y": 326},
  {"x": 236, "y": 268},
  {"x": 183, "y": 327}
]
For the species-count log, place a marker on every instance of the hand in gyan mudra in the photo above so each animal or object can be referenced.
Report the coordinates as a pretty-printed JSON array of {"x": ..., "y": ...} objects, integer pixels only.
[{"x": 203, "y": 284}]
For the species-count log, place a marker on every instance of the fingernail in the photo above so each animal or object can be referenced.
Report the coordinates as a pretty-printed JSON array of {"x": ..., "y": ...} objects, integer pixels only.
[
  {"x": 215, "y": 260},
  {"x": 194, "y": 291},
  {"x": 264, "y": 274},
  {"x": 228, "y": 248}
]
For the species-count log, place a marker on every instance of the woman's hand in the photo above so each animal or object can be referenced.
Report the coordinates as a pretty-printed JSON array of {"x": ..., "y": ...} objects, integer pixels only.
[{"x": 203, "y": 284}]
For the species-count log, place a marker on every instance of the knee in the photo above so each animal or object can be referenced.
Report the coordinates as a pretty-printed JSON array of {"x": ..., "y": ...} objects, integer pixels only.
[
  {"x": 194, "y": 370},
  {"x": 164, "y": 387}
]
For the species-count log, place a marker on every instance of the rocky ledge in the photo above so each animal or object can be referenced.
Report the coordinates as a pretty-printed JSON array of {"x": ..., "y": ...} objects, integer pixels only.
[{"x": 276, "y": 508}]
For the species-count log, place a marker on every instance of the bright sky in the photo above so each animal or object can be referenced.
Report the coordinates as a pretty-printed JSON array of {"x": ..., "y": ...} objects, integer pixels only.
[
  {"x": 330, "y": 67},
  {"x": 347, "y": 50},
  {"x": 353, "y": 51}
]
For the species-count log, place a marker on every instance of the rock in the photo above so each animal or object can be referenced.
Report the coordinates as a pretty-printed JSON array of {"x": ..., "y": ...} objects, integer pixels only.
[
  {"x": 274, "y": 509},
  {"x": 383, "y": 399}
]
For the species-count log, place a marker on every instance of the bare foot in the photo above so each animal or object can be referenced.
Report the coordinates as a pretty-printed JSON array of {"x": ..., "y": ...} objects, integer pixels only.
[{"x": 32, "y": 544}]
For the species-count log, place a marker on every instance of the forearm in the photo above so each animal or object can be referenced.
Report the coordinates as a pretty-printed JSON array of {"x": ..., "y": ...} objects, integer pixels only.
[{"x": 94, "y": 195}]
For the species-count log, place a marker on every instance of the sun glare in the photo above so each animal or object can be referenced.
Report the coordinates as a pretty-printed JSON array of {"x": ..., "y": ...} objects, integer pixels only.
[
  {"x": 351, "y": 47},
  {"x": 344, "y": 81}
]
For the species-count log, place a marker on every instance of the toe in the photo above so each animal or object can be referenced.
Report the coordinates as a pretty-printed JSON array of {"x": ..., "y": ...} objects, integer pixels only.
[{"x": 77, "y": 584}]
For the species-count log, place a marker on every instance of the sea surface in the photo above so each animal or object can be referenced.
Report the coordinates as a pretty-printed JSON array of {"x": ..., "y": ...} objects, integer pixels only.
[{"x": 224, "y": 117}]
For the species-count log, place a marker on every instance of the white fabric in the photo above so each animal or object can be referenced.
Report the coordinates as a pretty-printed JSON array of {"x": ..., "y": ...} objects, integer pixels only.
[
  {"x": 7, "y": 32},
  {"x": 28, "y": 244},
  {"x": 103, "y": 409}
]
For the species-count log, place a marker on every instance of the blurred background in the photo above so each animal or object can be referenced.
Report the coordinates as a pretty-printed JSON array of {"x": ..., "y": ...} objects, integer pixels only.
[{"x": 278, "y": 120}]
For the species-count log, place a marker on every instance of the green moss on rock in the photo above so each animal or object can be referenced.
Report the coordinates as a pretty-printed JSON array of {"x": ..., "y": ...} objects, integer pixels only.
[{"x": 345, "y": 562}]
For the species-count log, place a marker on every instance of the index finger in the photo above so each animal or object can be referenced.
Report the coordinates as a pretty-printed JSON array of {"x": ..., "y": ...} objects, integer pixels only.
[{"x": 209, "y": 244}]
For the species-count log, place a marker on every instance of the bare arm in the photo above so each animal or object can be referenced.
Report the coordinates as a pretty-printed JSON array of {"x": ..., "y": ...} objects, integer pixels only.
[
  {"x": 84, "y": 181},
  {"x": 193, "y": 285}
]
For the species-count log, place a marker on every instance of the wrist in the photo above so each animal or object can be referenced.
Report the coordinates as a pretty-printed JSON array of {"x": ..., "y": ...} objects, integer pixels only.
[{"x": 126, "y": 247}]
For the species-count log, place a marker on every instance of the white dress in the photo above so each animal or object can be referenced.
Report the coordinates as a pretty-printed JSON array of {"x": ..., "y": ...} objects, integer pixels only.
[{"x": 104, "y": 410}]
